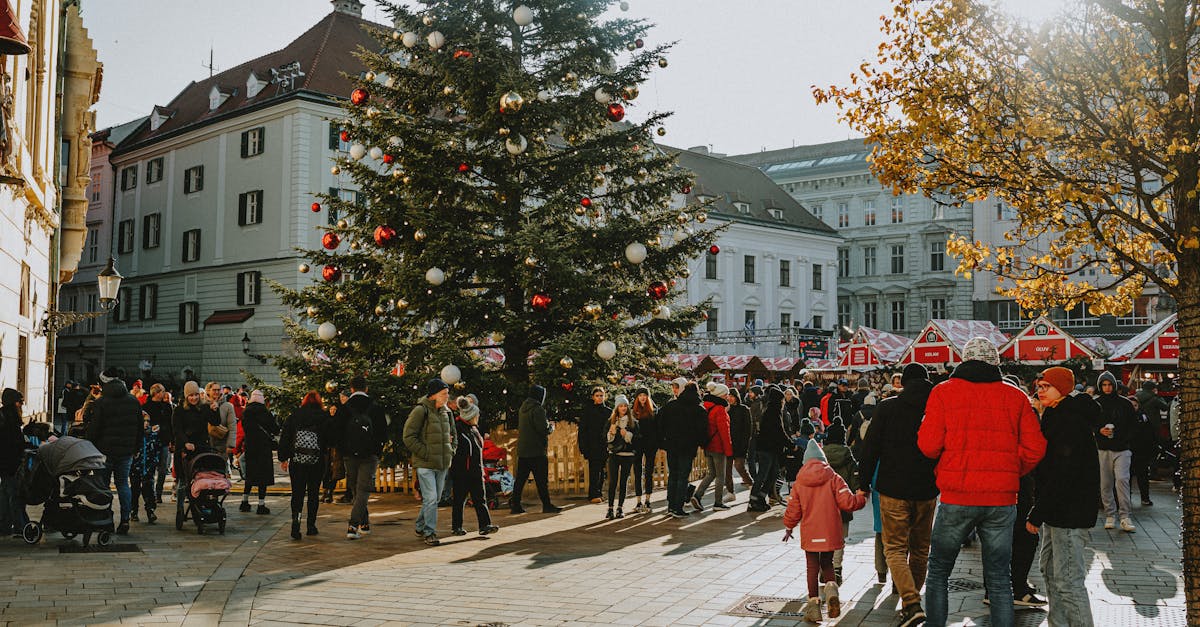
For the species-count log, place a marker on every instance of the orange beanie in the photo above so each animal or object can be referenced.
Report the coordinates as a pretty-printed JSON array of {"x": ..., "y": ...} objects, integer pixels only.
[{"x": 1061, "y": 378}]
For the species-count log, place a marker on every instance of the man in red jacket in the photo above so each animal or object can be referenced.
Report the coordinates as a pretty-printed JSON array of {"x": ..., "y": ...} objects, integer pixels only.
[{"x": 984, "y": 435}]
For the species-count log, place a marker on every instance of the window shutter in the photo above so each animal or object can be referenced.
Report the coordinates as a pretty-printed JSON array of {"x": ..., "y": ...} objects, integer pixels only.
[
  {"x": 257, "y": 288},
  {"x": 184, "y": 249},
  {"x": 241, "y": 288},
  {"x": 199, "y": 178},
  {"x": 182, "y": 317},
  {"x": 145, "y": 232},
  {"x": 262, "y": 140},
  {"x": 335, "y": 139},
  {"x": 245, "y": 144},
  {"x": 258, "y": 207},
  {"x": 242, "y": 209},
  {"x": 196, "y": 253}
]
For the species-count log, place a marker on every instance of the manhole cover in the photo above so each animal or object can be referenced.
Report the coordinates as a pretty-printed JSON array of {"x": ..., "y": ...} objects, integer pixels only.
[
  {"x": 964, "y": 585},
  {"x": 758, "y": 606},
  {"x": 96, "y": 548}
]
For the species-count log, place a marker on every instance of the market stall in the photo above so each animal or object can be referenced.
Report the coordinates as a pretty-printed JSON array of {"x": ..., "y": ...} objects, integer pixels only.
[
  {"x": 1043, "y": 343},
  {"x": 1153, "y": 352},
  {"x": 941, "y": 342},
  {"x": 871, "y": 348}
]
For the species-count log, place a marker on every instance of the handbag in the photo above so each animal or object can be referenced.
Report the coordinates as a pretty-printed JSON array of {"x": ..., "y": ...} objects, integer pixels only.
[{"x": 218, "y": 432}]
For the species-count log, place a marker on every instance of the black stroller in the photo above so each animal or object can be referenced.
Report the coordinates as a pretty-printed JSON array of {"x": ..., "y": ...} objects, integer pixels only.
[
  {"x": 65, "y": 475},
  {"x": 207, "y": 485}
]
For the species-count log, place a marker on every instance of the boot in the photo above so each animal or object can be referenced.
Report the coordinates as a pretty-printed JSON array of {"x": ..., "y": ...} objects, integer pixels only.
[
  {"x": 295, "y": 528},
  {"x": 328, "y": 496},
  {"x": 312, "y": 527},
  {"x": 609, "y": 515}
]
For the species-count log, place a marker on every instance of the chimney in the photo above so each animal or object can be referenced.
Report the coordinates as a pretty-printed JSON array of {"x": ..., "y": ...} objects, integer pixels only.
[{"x": 352, "y": 7}]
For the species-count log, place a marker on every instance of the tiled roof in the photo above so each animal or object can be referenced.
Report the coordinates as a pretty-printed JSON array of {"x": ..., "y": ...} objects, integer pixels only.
[
  {"x": 324, "y": 52},
  {"x": 819, "y": 154}
]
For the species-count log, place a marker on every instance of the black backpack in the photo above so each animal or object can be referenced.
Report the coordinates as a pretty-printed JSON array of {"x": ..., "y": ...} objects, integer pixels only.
[{"x": 359, "y": 439}]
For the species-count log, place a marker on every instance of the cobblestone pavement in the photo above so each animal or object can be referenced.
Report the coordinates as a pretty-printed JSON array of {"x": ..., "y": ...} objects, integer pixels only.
[{"x": 572, "y": 568}]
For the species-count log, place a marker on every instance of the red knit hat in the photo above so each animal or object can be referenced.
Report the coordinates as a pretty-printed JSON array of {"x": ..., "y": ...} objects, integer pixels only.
[{"x": 1061, "y": 378}]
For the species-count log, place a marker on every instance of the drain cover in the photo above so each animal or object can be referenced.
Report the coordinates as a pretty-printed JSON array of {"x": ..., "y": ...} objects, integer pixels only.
[
  {"x": 964, "y": 585},
  {"x": 96, "y": 548},
  {"x": 758, "y": 607}
]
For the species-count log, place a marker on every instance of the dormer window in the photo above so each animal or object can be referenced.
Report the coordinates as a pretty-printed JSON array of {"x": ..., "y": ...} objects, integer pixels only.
[
  {"x": 254, "y": 85},
  {"x": 159, "y": 116},
  {"x": 742, "y": 207},
  {"x": 704, "y": 198},
  {"x": 216, "y": 98},
  {"x": 776, "y": 213}
]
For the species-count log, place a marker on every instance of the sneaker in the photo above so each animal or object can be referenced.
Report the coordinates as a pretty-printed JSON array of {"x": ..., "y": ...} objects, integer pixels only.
[
  {"x": 773, "y": 501},
  {"x": 296, "y": 530},
  {"x": 1147, "y": 503},
  {"x": 458, "y": 531},
  {"x": 311, "y": 530},
  {"x": 244, "y": 507},
  {"x": 123, "y": 529},
  {"x": 619, "y": 514},
  {"x": 364, "y": 529},
  {"x": 352, "y": 533},
  {"x": 551, "y": 509},
  {"x": 988, "y": 602},
  {"x": 1110, "y": 523},
  {"x": 432, "y": 540},
  {"x": 516, "y": 510},
  {"x": 831, "y": 599},
  {"x": 696, "y": 504},
  {"x": 151, "y": 517},
  {"x": 676, "y": 514},
  {"x": 753, "y": 507},
  {"x": 262, "y": 510},
  {"x": 912, "y": 615},
  {"x": 596, "y": 500},
  {"x": 729, "y": 497},
  {"x": 133, "y": 517},
  {"x": 1029, "y": 599},
  {"x": 420, "y": 534},
  {"x": 1127, "y": 525},
  {"x": 720, "y": 506},
  {"x": 837, "y": 576},
  {"x": 812, "y": 610},
  {"x": 488, "y": 530}
]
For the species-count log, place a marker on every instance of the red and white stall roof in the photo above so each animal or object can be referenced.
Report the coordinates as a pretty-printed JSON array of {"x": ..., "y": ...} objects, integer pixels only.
[
  {"x": 822, "y": 365},
  {"x": 737, "y": 362},
  {"x": 1099, "y": 345},
  {"x": 687, "y": 361},
  {"x": 1157, "y": 345},
  {"x": 781, "y": 364},
  {"x": 1044, "y": 343},
  {"x": 872, "y": 348},
  {"x": 942, "y": 341}
]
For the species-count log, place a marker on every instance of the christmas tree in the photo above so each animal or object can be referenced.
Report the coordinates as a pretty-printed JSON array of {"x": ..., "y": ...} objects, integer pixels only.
[{"x": 504, "y": 204}]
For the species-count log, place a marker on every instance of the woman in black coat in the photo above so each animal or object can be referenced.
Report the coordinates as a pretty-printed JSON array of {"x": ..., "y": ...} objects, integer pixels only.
[
  {"x": 302, "y": 453},
  {"x": 467, "y": 471},
  {"x": 739, "y": 434},
  {"x": 259, "y": 428},
  {"x": 189, "y": 428}
]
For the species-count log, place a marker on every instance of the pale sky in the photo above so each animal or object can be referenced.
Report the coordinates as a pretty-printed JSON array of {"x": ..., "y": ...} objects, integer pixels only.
[{"x": 739, "y": 78}]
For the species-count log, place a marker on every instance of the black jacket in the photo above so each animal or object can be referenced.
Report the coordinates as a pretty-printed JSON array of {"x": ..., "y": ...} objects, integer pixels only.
[
  {"x": 258, "y": 428},
  {"x": 683, "y": 423},
  {"x": 12, "y": 441},
  {"x": 160, "y": 416},
  {"x": 593, "y": 431},
  {"x": 904, "y": 473},
  {"x": 739, "y": 429},
  {"x": 364, "y": 404},
  {"x": 794, "y": 413},
  {"x": 650, "y": 437},
  {"x": 468, "y": 457},
  {"x": 810, "y": 397},
  {"x": 771, "y": 435},
  {"x": 841, "y": 405},
  {"x": 190, "y": 425},
  {"x": 116, "y": 426},
  {"x": 307, "y": 418},
  {"x": 1117, "y": 411},
  {"x": 1068, "y": 477}
]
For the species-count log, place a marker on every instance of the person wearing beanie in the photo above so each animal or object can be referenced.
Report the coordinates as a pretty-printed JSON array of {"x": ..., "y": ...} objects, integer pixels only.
[
  {"x": 842, "y": 460},
  {"x": 984, "y": 436},
  {"x": 466, "y": 470},
  {"x": 431, "y": 439},
  {"x": 118, "y": 432},
  {"x": 718, "y": 447},
  {"x": 739, "y": 437},
  {"x": 1067, "y": 484},
  {"x": 1114, "y": 427},
  {"x": 258, "y": 469},
  {"x": 532, "y": 440},
  {"x": 649, "y": 441},
  {"x": 683, "y": 422},
  {"x": 818, "y": 498},
  {"x": 623, "y": 444},
  {"x": 593, "y": 423},
  {"x": 189, "y": 428},
  {"x": 772, "y": 440}
]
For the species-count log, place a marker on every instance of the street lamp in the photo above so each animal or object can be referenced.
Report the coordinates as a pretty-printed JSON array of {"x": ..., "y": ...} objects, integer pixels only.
[
  {"x": 109, "y": 283},
  {"x": 262, "y": 359}
]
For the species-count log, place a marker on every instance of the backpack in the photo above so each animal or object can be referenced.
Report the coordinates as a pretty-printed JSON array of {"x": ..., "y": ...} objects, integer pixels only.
[
  {"x": 359, "y": 440},
  {"x": 306, "y": 448}
]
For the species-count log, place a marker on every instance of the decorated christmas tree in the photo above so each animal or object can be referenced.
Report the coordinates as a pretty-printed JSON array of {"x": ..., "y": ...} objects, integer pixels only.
[{"x": 511, "y": 226}]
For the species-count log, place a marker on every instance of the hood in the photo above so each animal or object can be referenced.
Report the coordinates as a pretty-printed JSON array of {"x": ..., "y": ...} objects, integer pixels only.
[
  {"x": 774, "y": 395},
  {"x": 976, "y": 371},
  {"x": 537, "y": 394},
  {"x": 689, "y": 395},
  {"x": 715, "y": 400},
  {"x": 916, "y": 392},
  {"x": 815, "y": 472},
  {"x": 837, "y": 454},
  {"x": 115, "y": 389},
  {"x": 1107, "y": 376}
]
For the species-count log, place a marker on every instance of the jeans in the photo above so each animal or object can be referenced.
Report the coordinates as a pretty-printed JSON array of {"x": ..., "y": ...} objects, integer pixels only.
[
  {"x": 716, "y": 470},
  {"x": 1114, "y": 475},
  {"x": 119, "y": 465},
  {"x": 596, "y": 477},
  {"x": 164, "y": 469},
  {"x": 764, "y": 479},
  {"x": 679, "y": 467},
  {"x": 1064, "y": 572},
  {"x": 539, "y": 467},
  {"x": 12, "y": 510},
  {"x": 738, "y": 464},
  {"x": 907, "y": 526},
  {"x": 470, "y": 483},
  {"x": 432, "y": 482},
  {"x": 951, "y": 525},
  {"x": 1024, "y": 543},
  {"x": 306, "y": 482},
  {"x": 643, "y": 472},
  {"x": 618, "y": 476},
  {"x": 360, "y": 473}
]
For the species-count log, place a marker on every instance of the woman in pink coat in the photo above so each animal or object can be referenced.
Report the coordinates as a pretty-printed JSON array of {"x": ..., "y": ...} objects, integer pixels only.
[{"x": 819, "y": 496}]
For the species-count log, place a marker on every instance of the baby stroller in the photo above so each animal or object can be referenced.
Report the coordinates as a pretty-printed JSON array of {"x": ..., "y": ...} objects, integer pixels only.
[
  {"x": 207, "y": 477},
  {"x": 498, "y": 482},
  {"x": 65, "y": 475}
]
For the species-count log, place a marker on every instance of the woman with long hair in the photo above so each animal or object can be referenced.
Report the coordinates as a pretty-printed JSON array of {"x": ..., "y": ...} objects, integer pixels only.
[
  {"x": 189, "y": 428},
  {"x": 302, "y": 455},
  {"x": 622, "y": 448},
  {"x": 649, "y": 438},
  {"x": 259, "y": 428}
]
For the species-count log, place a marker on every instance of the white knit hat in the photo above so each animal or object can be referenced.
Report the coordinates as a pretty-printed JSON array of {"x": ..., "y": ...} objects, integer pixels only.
[
  {"x": 981, "y": 349},
  {"x": 719, "y": 389}
]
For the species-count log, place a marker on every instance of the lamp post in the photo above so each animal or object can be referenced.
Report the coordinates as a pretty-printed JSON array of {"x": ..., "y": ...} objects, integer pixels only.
[
  {"x": 262, "y": 359},
  {"x": 109, "y": 283}
]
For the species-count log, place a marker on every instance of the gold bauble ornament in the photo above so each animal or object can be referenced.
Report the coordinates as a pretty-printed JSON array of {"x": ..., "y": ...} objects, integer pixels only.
[
  {"x": 419, "y": 235},
  {"x": 661, "y": 131},
  {"x": 613, "y": 378},
  {"x": 341, "y": 224},
  {"x": 683, "y": 218},
  {"x": 335, "y": 170},
  {"x": 685, "y": 273},
  {"x": 511, "y": 102},
  {"x": 406, "y": 180},
  {"x": 369, "y": 76},
  {"x": 304, "y": 268},
  {"x": 448, "y": 90},
  {"x": 616, "y": 265},
  {"x": 331, "y": 386},
  {"x": 397, "y": 173},
  {"x": 567, "y": 363},
  {"x": 379, "y": 310},
  {"x": 593, "y": 310},
  {"x": 354, "y": 245},
  {"x": 345, "y": 345},
  {"x": 642, "y": 174},
  {"x": 427, "y": 20},
  {"x": 339, "y": 297},
  {"x": 570, "y": 77},
  {"x": 598, "y": 179},
  {"x": 662, "y": 62},
  {"x": 504, "y": 131},
  {"x": 531, "y": 262},
  {"x": 701, "y": 217},
  {"x": 401, "y": 303},
  {"x": 312, "y": 312},
  {"x": 372, "y": 112},
  {"x": 657, "y": 241},
  {"x": 630, "y": 92},
  {"x": 580, "y": 210}
]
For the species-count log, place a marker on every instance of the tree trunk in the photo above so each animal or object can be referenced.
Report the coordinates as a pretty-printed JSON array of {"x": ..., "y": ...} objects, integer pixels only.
[{"x": 1189, "y": 440}]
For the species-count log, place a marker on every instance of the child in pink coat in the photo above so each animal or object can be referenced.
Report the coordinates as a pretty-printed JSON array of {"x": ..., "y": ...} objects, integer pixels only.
[{"x": 819, "y": 496}]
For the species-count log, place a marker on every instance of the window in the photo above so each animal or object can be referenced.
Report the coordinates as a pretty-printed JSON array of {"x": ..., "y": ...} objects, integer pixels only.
[
  {"x": 897, "y": 259},
  {"x": 937, "y": 308},
  {"x": 818, "y": 322},
  {"x": 818, "y": 211},
  {"x": 751, "y": 318},
  {"x": 335, "y": 139},
  {"x": 748, "y": 260},
  {"x": 93, "y": 245},
  {"x": 1139, "y": 315},
  {"x": 1004, "y": 211},
  {"x": 96, "y": 192},
  {"x": 711, "y": 325},
  {"x": 154, "y": 170},
  {"x": 937, "y": 256},
  {"x": 843, "y": 215},
  {"x": 347, "y": 195},
  {"x": 871, "y": 315},
  {"x": 897, "y": 210},
  {"x": 785, "y": 273},
  {"x": 1079, "y": 316},
  {"x": 125, "y": 237},
  {"x": 843, "y": 314},
  {"x": 869, "y": 213},
  {"x": 710, "y": 266},
  {"x": 151, "y": 230},
  {"x": 93, "y": 302},
  {"x": 817, "y": 271},
  {"x": 897, "y": 315},
  {"x": 869, "y": 260},
  {"x": 22, "y": 363},
  {"x": 189, "y": 317},
  {"x": 193, "y": 179},
  {"x": 1009, "y": 315},
  {"x": 191, "y": 245},
  {"x": 939, "y": 211},
  {"x": 64, "y": 162},
  {"x": 248, "y": 284},
  {"x": 250, "y": 208},
  {"x": 129, "y": 178},
  {"x": 742, "y": 207},
  {"x": 785, "y": 321},
  {"x": 124, "y": 306},
  {"x": 843, "y": 262},
  {"x": 776, "y": 213},
  {"x": 23, "y": 306},
  {"x": 253, "y": 141},
  {"x": 148, "y": 302}
]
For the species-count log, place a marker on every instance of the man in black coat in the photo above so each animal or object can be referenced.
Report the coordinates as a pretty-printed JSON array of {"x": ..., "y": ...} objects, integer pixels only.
[
  {"x": 1114, "y": 428},
  {"x": 593, "y": 441},
  {"x": 360, "y": 449},
  {"x": 116, "y": 430},
  {"x": 12, "y": 446},
  {"x": 684, "y": 425},
  {"x": 769, "y": 448}
]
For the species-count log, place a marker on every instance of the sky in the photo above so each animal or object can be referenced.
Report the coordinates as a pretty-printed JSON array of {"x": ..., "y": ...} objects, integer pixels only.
[{"x": 738, "y": 80}]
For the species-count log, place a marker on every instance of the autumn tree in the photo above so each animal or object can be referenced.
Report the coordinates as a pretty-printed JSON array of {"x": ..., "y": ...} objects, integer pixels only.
[{"x": 1089, "y": 126}]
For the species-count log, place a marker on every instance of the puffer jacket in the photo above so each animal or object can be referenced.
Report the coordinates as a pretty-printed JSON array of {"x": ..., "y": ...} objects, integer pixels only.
[
  {"x": 983, "y": 434},
  {"x": 819, "y": 496},
  {"x": 683, "y": 423},
  {"x": 190, "y": 425},
  {"x": 739, "y": 429},
  {"x": 718, "y": 426},
  {"x": 429, "y": 435},
  {"x": 1117, "y": 411},
  {"x": 468, "y": 457},
  {"x": 116, "y": 425},
  {"x": 533, "y": 429},
  {"x": 891, "y": 444},
  {"x": 1068, "y": 478}
]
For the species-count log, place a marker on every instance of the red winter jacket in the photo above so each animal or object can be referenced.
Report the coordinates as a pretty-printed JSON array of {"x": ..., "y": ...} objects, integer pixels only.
[
  {"x": 983, "y": 434},
  {"x": 819, "y": 496},
  {"x": 719, "y": 440}
]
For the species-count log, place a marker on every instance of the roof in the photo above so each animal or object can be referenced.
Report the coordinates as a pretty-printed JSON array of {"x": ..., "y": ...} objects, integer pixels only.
[
  {"x": 687, "y": 361},
  {"x": 1042, "y": 342},
  {"x": 872, "y": 348},
  {"x": 323, "y": 52},
  {"x": 737, "y": 362},
  {"x": 797, "y": 159},
  {"x": 117, "y": 134},
  {"x": 728, "y": 181},
  {"x": 781, "y": 364},
  {"x": 1157, "y": 344},
  {"x": 942, "y": 341}
]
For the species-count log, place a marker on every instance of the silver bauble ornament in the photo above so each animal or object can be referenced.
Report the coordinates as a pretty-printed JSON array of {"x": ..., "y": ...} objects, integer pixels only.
[
  {"x": 327, "y": 331},
  {"x": 523, "y": 15},
  {"x": 567, "y": 363},
  {"x": 451, "y": 374},
  {"x": 606, "y": 350},
  {"x": 435, "y": 276},
  {"x": 357, "y": 151}
]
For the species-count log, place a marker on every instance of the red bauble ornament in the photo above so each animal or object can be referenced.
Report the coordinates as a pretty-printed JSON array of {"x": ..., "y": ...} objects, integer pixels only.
[
  {"x": 568, "y": 386},
  {"x": 615, "y": 315},
  {"x": 657, "y": 290},
  {"x": 463, "y": 167},
  {"x": 540, "y": 301},
  {"x": 714, "y": 249},
  {"x": 331, "y": 273},
  {"x": 462, "y": 54},
  {"x": 388, "y": 158},
  {"x": 359, "y": 96},
  {"x": 639, "y": 42},
  {"x": 616, "y": 112},
  {"x": 687, "y": 189},
  {"x": 585, "y": 201},
  {"x": 316, "y": 206},
  {"x": 384, "y": 235},
  {"x": 330, "y": 241},
  {"x": 345, "y": 135}
]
